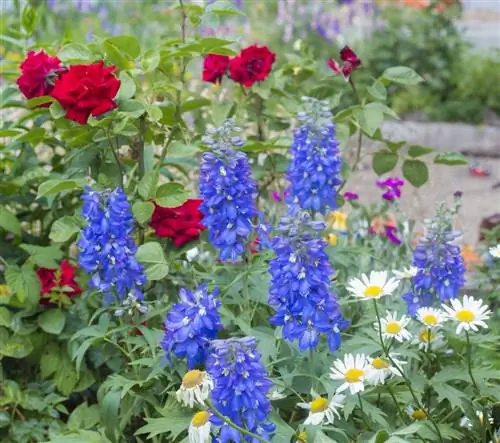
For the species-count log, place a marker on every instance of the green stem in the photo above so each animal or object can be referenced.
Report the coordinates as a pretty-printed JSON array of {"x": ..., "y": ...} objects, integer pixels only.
[
  {"x": 357, "y": 157},
  {"x": 234, "y": 425},
  {"x": 395, "y": 400},
  {"x": 114, "y": 150},
  {"x": 140, "y": 158},
  {"x": 363, "y": 415},
  {"x": 469, "y": 361},
  {"x": 259, "y": 104},
  {"x": 403, "y": 375}
]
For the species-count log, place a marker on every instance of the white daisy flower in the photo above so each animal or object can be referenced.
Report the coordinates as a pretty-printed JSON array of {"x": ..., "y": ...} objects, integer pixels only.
[
  {"x": 382, "y": 368},
  {"x": 416, "y": 414},
  {"x": 406, "y": 273},
  {"x": 431, "y": 317},
  {"x": 495, "y": 251},
  {"x": 427, "y": 337},
  {"x": 277, "y": 394},
  {"x": 199, "y": 428},
  {"x": 469, "y": 313},
  {"x": 394, "y": 328},
  {"x": 353, "y": 371},
  {"x": 195, "y": 388},
  {"x": 321, "y": 410},
  {"x": 373, "y": 287}
]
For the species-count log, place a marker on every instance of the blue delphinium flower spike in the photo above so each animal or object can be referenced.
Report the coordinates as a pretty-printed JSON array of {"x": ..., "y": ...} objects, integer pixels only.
[
  {"x": 440, "y": 265},
  {"x": 300, "y": 289},
  {"x": 228, "y": 191},
  {"x": 241, "y": 386},
  {"x": 107, "y": 248},
  {"x": 315, "y": 167},
  {"x": 191, "y": 324}
]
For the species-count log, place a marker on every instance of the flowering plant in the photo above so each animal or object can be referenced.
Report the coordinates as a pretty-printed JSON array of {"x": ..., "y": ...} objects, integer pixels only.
[{"x": 186, "y": 261}]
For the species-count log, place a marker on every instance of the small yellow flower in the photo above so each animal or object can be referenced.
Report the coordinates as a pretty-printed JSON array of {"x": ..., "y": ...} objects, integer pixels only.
[
  {"x": 331, "y": 239},
  {"x": 337, "y": 221},
  {"x": 417, "y": 414},
  {"x": 302, "y": 437}
]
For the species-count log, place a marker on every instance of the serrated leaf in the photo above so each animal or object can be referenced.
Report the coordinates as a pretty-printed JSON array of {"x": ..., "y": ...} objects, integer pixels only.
[
  {"x": 418, "y": 150},
  {"x": 9, "y": 222},
  {"x": 384, "y": 161},
  {"x": 173, "y": 424},
  {"x": 23, "y": 282},
  {"x": 44, "y": 256},
  {"x": 50, "y": 361},
  {"x": 151, "y": 255},
  {"x": 402, "y": 75},
  {"x": 416, "y": 172},
  {"x": 143, "y": 211},
  {"x": 450, "y": 158},
  {"x": 52, "y": 321}
]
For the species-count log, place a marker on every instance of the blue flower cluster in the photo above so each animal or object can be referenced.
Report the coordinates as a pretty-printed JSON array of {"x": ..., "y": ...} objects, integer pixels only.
[
  {"x": 440, "y": 265},
  {"x": 229, "y": 192},
  {"x": 107, "y": 249},
  {"x": 315, "y": 167},
  {"x": 300, "y": 288},
  {"x": 241, "y": 385},
  {"x": 191, "y": 324}
]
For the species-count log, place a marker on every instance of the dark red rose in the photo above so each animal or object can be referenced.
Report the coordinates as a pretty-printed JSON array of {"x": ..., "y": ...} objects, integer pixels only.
[
  {"x": 215, "y": 67},
  {"x": 350, "y": 62},
  {"x": 252, "y": 65},
  {"x": 181, "y": 224},
  {"x": 54, "y": 280},
  {"x": 38, "y": 74},
  {"x": 85, "y": 90}
]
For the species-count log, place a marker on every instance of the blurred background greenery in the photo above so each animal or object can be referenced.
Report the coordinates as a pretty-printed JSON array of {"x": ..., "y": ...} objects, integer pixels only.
[{"x": 427, "y": 35}]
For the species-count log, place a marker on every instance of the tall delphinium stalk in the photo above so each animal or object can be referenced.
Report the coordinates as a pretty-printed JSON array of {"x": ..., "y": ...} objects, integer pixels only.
[
  {"x": 229, "y": 193},
  {"x": 440, "y": 266},
  {"x": 240, "y": 393},
  {"x": 300, "y": 289},
  {"x": 107, "y": 248},
  {"x": 315, "y": 166}
]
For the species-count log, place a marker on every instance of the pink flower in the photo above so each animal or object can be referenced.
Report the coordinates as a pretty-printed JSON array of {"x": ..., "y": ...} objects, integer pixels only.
[
  {"x": 350, "y": 196},
  {"x": 391, "y": 186},
  {"x": 350, "y": 62}
]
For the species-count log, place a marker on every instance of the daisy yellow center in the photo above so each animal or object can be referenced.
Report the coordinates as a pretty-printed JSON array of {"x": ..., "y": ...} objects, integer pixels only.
[
  {"x": 373, "y": 291},
  {"x": 332, "y": 239},
  {"x": 302, "y": 437},
  {"x": 418, "y": 414},
  {"x": 430, "y": 319},
  {"x": 379, "y": 363},
  {"x": 319, "y": 405},
  {"x": 465, "y": 315},
  {"x": 393, "y": 327},
  {"x": 193, "y": 378},
  {"x": 426, "y": 336},
  {"x": 354, "y": 375},
  {"x": 200, "y": 419}
]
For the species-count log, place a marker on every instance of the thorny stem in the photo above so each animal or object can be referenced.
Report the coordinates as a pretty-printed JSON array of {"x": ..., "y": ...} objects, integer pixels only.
[
  {"x": 469, "y": 361},
  {"x": 403, "y": 375},
  {"x": 228, "y": 421}
]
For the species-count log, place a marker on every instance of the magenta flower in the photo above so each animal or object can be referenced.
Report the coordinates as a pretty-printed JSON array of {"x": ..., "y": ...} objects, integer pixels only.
[
  {"x": 276, "y": 196},
  {"x": 350, "y": 196},
  {"x": 390, "y": 233},
  {"x": 391, "y": 186},
  {"x": 350, "y": 62}
]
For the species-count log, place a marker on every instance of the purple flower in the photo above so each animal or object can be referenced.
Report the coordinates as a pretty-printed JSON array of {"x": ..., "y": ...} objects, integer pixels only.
[
  {"x": 351, "y": 196},
  {"x": 276, "y": 196},
  {"x": 391, "y": 186},
  {"x": 390, "y": 233}
]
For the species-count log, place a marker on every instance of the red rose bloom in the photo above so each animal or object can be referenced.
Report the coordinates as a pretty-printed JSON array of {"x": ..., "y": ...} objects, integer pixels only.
[
  {"x": 350, "y": 62},
  {"x": 85, "y": 90},
  {"x": 215, "y": 67},
  {"x": 181, "y": 224},
  {"x": 252, "y": 65},
  {"x": 38, "y": 73},
  {"x": 52, "y": 280}
]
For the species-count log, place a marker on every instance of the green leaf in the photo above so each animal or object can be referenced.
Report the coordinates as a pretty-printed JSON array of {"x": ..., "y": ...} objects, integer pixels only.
[
  {"x": 84, "y": 417},
  {"x": 109, "y": 407},
  {"x": 143, "y": 211},
  {"x": 115, "y": 56},
  {"x": 378, "y": 91},
  {"x": 321, "y": 437},
  {"x": 147, "y": 185},
  {"x": 134, "y": 108},
  {"x": 284, "y": 432},
  {"x": 416, "y": 172},
  {"x": 37, "y": 101},
  {"x": 151, "y": 255},
  {"x": 9, "y": 222},
  {"x": 454, "y": 396},
  {"x": 17, "y": 346},
  {"x": 28, "y": 19},
  {"x": 23, "y": 282},
  {"x": 223, "y": 7},
  {"x": 64, "y": 228},
  {"x": 402, "y": 75},
  {"x": 55, "y": 186},
  {"x": 81, "y": 436},
  {"x": 33, "y": 136},
  {"x": 44, "y": 256},
  {"x": 127, "y": 44},
  {"x": 5, "y": 317},
  {"x": 171, "y": 195},
  {"x": 127, "y": 86},
  {"x": 380, "y": 437},
  {"x": 52, "y": 321},
  {"x": 191, "y": 105},
  {"x": 74, "y": 52},
  {"x": 56, "y": 110},
  {"x": 50, "y": 361},
  {"x": 151, "y": 60},
  {"x": 369, "y": 119},
  {"x": 384, "y": 161},
  {"x": 66, "y": 377},
  {"x": 450, "y": 158},
  {"x": 173, "y": 424},
  {"x": 418, "y": 150},
  {"x": 154, "y": 113}
]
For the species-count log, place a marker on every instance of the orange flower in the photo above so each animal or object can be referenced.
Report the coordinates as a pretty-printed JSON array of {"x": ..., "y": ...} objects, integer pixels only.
[
  {"x": 471, "y": 258},
  {"x": 378, "y": 224}
]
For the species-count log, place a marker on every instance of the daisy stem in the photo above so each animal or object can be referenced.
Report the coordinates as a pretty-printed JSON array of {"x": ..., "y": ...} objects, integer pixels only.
[
  {"x": 469, "y": 361},
  {"x": 234, "y": 425},
  {"x": 405, "y": 378},
  {"x": 394, "y": 399},
  {"x": 363, "y": 415}
]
